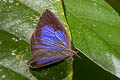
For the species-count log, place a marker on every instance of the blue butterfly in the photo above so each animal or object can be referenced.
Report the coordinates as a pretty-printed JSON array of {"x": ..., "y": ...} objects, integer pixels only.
[{"x": 50, "y": 42}]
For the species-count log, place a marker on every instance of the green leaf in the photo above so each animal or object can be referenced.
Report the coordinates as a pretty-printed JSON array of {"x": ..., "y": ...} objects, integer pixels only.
[
  {"x": 115, "y": 4},
  {"x": 18, "y": 19},
  {"x": 13, "y": 55},
  {"x": 6, "y": 74},
  {"x": 95, "y": 31},
  {"x": 85, "y": 69}
]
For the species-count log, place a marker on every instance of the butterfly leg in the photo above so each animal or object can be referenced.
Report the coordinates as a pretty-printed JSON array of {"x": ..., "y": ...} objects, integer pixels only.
[{"x": 74, "y": 52}]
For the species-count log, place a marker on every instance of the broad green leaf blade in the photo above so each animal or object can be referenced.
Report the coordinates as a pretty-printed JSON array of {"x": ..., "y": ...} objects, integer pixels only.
[
  {"x": 95, "y": 31},
  {"x": 115, "y": 4},
  {"x": 14, "y": 54},
  {"x": 6, "y": 74},
  {"x": 54, "y": 73},
  {"x": 18, "y": 19}
]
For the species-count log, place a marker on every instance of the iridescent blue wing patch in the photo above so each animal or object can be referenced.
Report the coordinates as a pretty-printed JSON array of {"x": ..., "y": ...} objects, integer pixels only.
[
  {"x": 50, "y": 36},
  {"x": 53, "y": 38},
  {"x": 50, "y": 40},
  {"x": 44, "y": 62},
  {"x": 47, "y": 60}
]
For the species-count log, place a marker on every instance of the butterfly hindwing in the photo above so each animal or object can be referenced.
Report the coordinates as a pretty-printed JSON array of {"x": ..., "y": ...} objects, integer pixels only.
[{"x": 44, "y": 62}]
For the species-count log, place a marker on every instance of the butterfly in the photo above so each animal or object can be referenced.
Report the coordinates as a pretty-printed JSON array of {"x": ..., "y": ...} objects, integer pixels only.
[{"x": 50, "y": 42}]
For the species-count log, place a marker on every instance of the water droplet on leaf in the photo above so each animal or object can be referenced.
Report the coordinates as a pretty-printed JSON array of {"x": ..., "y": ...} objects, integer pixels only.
[{"x": 3, "y": 76}]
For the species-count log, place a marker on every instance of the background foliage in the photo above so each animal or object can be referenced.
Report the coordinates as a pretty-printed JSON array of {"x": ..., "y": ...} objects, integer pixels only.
[{"x": 94, "y": 26}]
